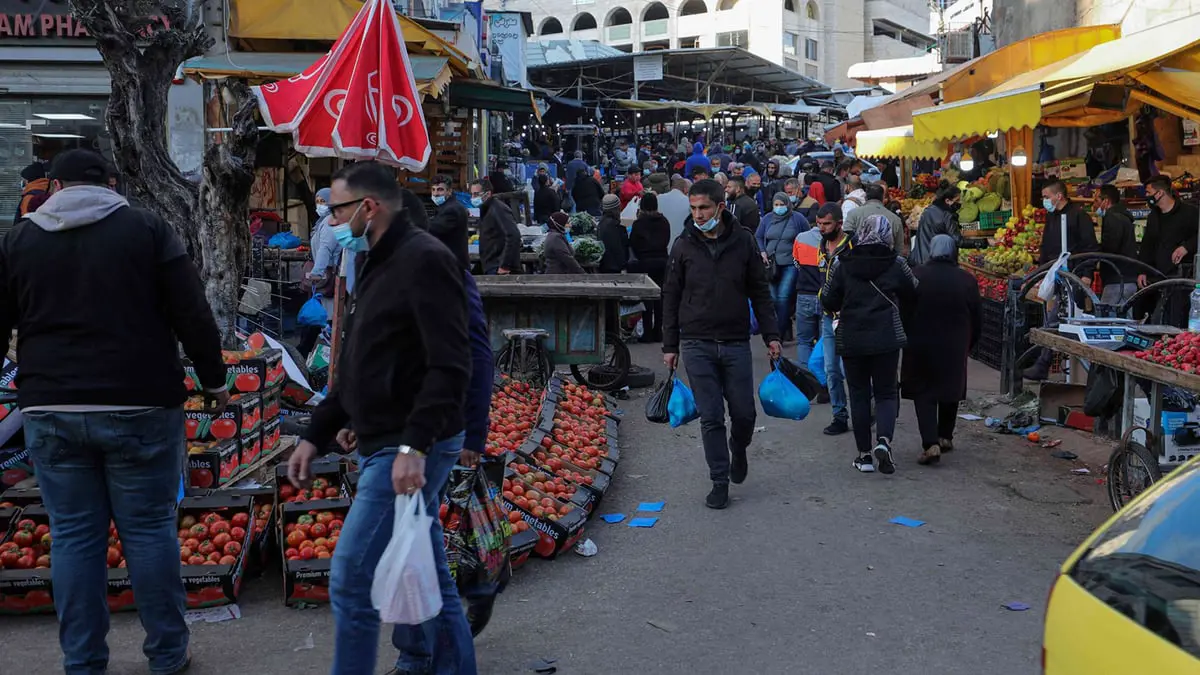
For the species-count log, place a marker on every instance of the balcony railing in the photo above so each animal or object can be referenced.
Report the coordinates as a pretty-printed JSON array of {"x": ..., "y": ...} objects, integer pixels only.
[
  {"x": 419, "y": 9},
  {"x": 655, "y": 27},
  {"x": 616, "y": 33}
]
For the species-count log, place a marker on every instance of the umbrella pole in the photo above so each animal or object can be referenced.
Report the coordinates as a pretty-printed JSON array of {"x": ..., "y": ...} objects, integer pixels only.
[{"x": 336, "y": 343}]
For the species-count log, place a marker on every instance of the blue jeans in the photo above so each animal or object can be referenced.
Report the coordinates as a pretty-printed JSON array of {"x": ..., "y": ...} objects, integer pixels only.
[
  {"x": 783, "y": 294},
  {"x": 808, "y": 326},
  {"x": 719, "y": 373},
  {"x": 125, "y": 466},
  {"x": 835, "y": 379},
  {"x": 366, "y": 533}
]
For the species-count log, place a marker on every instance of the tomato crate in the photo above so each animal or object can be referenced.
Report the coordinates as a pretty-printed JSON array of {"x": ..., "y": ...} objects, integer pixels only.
[
  {"x": 25, "y": 588},
  {"x": 520, "y": 547},
  {"x": 326, "y": 475},
  {"x": 262, "y": 502},
  {"x": 555, "y": 535},
  {"x": 242, "y": 417},
  {"x": 596, "y": 480},
  {"x": 306, "y": 575},
  {"x": 271, "y": 431},
  {"x": 16, "y": 465},
  {"x": 213, "y": 463},
  {"x": 272, "y": 403},
  {"x": 245, "y": 372},
  {"x": 563, "y": 491},
  {"x": 220, "y": 538},
  {"x": 21, "y": 496}
]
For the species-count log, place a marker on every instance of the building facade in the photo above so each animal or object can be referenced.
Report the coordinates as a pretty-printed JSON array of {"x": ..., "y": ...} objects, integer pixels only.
[
  {"x": 817, "y": 38},
  {"x": 1015, "y": 20}
]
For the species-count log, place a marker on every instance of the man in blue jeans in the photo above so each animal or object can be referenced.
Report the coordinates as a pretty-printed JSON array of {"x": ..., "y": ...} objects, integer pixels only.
[
  {"x": 834, "y": 242},
  {"x": 714, "y": 275},
  {"x": 100, "y": 292},
  {"x": 403, "y": 376}
]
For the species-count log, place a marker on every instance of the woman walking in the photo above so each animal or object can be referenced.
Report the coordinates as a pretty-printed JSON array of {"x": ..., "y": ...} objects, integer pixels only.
[
  {"x": 776, "y": 234},
  {"x": 868, "y": 286},
  {"x": 940, "y": 217},
  {"x": 942, "y": 328},
  {"x": 649, "y": 240}
]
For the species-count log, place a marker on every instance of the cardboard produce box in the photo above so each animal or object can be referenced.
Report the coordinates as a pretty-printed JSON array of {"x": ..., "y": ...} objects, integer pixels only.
[
  {"x": 25, "y": 584},
  {"x": 213, "y": 463},
  {"x": 529, "y": 472},
  {"x": 221, "y": 535},
  {"x": 326, "y": 477},
  {"x": 307, "y": 551},
  {"x": 21, "y": 496},
  {"x": 520, "y": 547},
  {"x": 16, "y": 465},
  {"x": 245, "y": 372},
  {"x": 242, "y": 417},
  {"x": 262, "y": 502},
  {"x": 557, "y": 532}
]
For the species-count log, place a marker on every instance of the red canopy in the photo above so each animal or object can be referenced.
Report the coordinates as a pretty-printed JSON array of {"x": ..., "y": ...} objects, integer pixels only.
[{"x": 358, "y": 101}]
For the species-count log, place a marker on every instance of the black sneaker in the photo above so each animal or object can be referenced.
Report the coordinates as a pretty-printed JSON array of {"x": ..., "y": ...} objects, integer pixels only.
[
  {"x": 823, "y": 397},
  {"x": 883, "y": 455},
  {"x": 737, "y": 467},
  {"x": 863, "y": 463},
  {"x": 719, "y": 497},
  {"x": 837, "y": 428},
  {"x": 479, "y": 613}
]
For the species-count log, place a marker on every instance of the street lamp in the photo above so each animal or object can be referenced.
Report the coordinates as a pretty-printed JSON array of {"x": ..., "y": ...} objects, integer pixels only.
[
  {"x": 1019, "y": 158},
  {"x": 966, "y": 163}
]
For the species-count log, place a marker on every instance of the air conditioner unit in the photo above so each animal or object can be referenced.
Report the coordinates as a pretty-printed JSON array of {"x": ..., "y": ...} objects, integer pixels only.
[{"x": 958, "y": 47}]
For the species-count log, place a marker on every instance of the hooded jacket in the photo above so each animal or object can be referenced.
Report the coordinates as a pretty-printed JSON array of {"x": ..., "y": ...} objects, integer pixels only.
[
  {"x": 936, "y": 219},
  {"x": 697, "y": 160},
  {"x": 101, "y": 295},
  {"x": 650, "y": 237},
  {"x": 1081, "y": 233},
  {"x": 499, "y": 237},
  {"x": 32, "y": 196},
  {"x": 708, "y": 284},
  {"x": 869, "y": 287}
]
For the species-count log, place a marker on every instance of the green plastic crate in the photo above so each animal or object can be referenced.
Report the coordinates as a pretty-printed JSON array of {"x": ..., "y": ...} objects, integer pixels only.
[{"x": 993, "y": 220}]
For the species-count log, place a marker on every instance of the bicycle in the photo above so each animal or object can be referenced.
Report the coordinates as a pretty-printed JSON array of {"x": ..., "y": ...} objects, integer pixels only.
[
  {"x": 612, "y": 371},
  {"x": 525, "y": 356}
]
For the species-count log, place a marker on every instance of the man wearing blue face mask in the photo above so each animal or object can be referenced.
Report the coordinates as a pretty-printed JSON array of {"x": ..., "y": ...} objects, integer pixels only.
[
  {"x": 499, "y": 237},
  {"x": 714, "y": 275},
  {"x": 451, "y": 217}
]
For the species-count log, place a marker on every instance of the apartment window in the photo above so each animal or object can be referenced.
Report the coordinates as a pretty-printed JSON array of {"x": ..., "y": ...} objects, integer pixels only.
[
  {"x": 791, "y": 64},
  {"x": 811, "y": 71},
  {"x": 689, "y": 42},
  {"x": 790, "y": 40},
  {"x": 810, "y": 49},
  {"x": 737, "y": 38}
]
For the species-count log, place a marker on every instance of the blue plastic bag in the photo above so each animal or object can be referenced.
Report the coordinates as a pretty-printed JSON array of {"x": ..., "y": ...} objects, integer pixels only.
[
  {"x": 780, "y": 398},
  {"x": 284, "y": 240},
  {"x": 681, "y": 407},
  {"x": 312, "y": 313},
  {"x": 753, "y": 319},
  {"x": 816, "y": 362}
]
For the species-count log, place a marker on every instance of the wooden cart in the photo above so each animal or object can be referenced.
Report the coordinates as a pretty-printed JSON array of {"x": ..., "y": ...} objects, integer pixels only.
[{"x": 538, "y": 321}]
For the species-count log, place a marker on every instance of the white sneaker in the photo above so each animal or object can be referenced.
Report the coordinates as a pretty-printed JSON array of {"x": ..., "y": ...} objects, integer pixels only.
[{"x": 863, "y": 463}]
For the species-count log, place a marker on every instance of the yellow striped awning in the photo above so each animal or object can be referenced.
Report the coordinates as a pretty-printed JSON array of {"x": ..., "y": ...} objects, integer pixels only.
[
  {"x": 897, "y": 142},
  {"x": 978, "y": 116}
]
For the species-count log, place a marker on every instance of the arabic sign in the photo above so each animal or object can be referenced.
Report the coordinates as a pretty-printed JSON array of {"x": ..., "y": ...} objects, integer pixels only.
[
  {"x": 506, "y": 38},
  {"x": 648, "y": 68}
]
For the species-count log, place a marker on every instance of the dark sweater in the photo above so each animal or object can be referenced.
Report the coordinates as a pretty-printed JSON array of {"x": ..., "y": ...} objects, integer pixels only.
[
  {"x": 102, "y": 294},
  {"x": 616, "y": 244},
  {"x": 545, "y": 202},
  {"x": 651, "y": 237},
  {"x": 1117, "y": 236},
  {"x": 870, "y": 287},
  {"x": 499, "y": 237},
  {"x": 479, "y": 396},
  {"x": 405, "y": 365},
  {"x": 1166, "y": 232}
]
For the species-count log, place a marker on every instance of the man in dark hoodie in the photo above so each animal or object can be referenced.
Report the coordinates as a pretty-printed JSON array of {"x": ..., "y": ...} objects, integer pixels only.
[
  {"x": 499, "y": 237},
  {"x": 650, "y": 241},
  {"x": 741, "y": 205},
  {"x": 1117, "y": 236},
  {"x": 697, "y": 160},
  {"x": 102, "y": 295},
  {"x": 714, "y": 275}
]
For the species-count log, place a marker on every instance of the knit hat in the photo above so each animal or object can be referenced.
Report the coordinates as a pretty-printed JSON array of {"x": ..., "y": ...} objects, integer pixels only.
[
  {"x": 34, "y": 171},
  {"x": 658, "y": 183},
  {"x": 649, "y": 202},
  {"x": 559, "y": 220},
  {"x": 80, "y": 166},
  {"x": 610, "y": 203}
]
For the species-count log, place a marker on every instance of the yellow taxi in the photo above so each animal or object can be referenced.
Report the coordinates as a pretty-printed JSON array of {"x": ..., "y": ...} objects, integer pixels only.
[{"x": 1128, "y": 600}]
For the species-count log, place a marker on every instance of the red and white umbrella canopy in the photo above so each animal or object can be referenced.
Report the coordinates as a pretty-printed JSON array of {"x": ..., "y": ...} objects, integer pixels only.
[{"x": 359, "y": 101}]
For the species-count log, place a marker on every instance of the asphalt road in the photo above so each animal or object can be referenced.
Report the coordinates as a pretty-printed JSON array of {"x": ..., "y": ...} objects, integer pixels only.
[{"x": 802, "y": 574}]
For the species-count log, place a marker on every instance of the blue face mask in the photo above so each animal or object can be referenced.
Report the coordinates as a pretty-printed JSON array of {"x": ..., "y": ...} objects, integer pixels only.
[
  {"x": 1048, "y": 204},
  {"x": 477, "y": 201},
  {"x": 793, "y": 198},
  {"x": 1101, "y": 211},
  {"x": 645, "y": 172},
  {"x": 322, "y": 210},
  {"x": 709, "y": 226},
  {"x": 439, "y": 199},
  {"x": 781, "y": 210},
  {"x": 345, "y": 236}
]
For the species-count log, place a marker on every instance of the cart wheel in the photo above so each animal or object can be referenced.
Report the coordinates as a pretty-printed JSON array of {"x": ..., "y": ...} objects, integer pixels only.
[
  {"x": 612, "y": 372},
  {"x": 1131, "y": 469},
  {"x": 525, "y": 360}
]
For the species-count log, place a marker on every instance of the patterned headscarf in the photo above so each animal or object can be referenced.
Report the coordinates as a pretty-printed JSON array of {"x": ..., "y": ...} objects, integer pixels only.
[
  {"x": 942, "y": 247},
  {"x": 876, "y": 230}
]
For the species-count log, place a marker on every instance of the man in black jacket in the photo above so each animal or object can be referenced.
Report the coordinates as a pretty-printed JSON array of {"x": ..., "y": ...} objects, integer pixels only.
[
  {"x": 101, "y": 295},
  {"x": 1117, "y": 236},
  {"x": 499, "y": 236},
  {"x": 714, "y": 274},
  {"x": 1169, "y": 242},
  {"x": 742, "y": 206},
  {"x": 828, "y": 181},
  {"x": 403, "y": 376},
  {"x": 449, "y": 223}
]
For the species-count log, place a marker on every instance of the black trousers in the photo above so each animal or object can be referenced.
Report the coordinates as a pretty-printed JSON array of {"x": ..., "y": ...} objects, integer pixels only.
[
  {"x": 935, "y": 420},
  {"x": 867, "y": 375}
]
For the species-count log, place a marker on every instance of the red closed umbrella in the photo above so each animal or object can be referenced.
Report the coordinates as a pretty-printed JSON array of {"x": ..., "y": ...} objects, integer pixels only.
[{"x": 359, "y": 101}]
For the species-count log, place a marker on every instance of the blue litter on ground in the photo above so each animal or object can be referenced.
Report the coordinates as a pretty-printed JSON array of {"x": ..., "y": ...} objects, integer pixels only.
[
  {"x": 1015, "y": 606},
  {"x": 613, "y": 517},
  {"x": 907, "y": 522},
  {"x": 653, "y": 507},
  {"x": 643, "y": 522}
]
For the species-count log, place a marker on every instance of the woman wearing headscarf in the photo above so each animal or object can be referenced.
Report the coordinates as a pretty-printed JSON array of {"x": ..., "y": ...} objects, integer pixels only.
[
  {"x": 868, "y": 287},
  {"x": 942, "y": 328},
  {"x": 776, "y": 234},
  {"x": 940, "y": 217},
  {"x": 559, "y": 254},
  {"x": 320, "y": 278},
  {"x": 545, "y": 200}
]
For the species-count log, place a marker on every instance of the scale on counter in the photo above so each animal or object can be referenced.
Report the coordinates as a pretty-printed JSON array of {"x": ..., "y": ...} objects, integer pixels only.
[
  {"x": 1144, "y": 337},
  {"x": 1105, "y": 333}
]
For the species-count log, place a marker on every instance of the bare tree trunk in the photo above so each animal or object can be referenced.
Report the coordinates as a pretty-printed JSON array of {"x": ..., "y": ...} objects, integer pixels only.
[
  {"x": 142, "y": 54},
  {"x": 225, "y": 204}
]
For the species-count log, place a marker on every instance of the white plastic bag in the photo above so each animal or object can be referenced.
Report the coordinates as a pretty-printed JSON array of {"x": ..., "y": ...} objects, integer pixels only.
[
  {"x": 1046, "y": 288},
  {"x": 406, "y": 589}
]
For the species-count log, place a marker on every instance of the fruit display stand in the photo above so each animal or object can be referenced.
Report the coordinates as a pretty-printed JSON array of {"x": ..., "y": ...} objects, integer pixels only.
[{"x": 1135, "y": 464}]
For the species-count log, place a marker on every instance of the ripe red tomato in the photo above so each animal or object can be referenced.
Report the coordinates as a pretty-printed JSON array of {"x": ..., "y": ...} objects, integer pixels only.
[
  {"x": 219, "y": 527},
  {"x": 201, "y": 478},
  {"x": 206, "y": 548},
  {"x": 232, "y": 548},
  {"x": 247, "y": 382},
  {"x": 238, "y": 533},
  {"x": 191, "y": 429},
  {"x": 296, "y": 538},
  {"x": 8, "y": 559},
  {"x": 220, "y": 540},
  {"x": 113, "y": 556},
  {"x": 308, "y": 553},
  {"x": 227, "y": 560},
  {"x": 240, "y": 519},
  {"x": 200, "y": 531},
  {"x": 23, "y": 538},
  {"x": 224, "y": 428}
]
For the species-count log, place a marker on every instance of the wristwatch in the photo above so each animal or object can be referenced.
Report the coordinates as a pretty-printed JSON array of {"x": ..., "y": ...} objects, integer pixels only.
[{"x": 409, "y": 450}]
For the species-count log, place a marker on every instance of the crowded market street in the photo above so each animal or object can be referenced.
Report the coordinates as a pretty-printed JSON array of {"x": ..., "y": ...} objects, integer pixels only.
[{"x": 802, "y": 574}]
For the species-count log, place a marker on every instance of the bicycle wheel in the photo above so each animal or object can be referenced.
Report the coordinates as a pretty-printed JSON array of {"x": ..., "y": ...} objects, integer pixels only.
[
  {"x": 527, "y": 361},
  {"x": 1131, "y": 470},
  {"x": 612, "y": 371}
]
